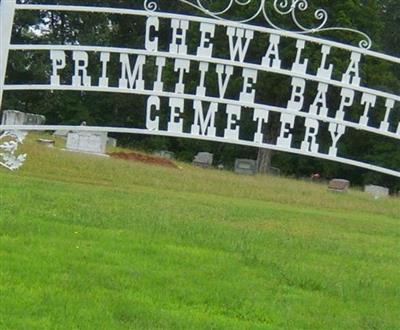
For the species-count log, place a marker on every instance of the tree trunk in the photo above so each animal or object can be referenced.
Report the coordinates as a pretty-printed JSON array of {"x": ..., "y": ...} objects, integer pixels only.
[{"x": 264, "y": 160}]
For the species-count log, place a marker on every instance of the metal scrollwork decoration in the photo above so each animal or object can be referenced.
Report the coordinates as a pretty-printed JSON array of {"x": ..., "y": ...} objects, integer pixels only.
[
  {"x": 281, "y": 7},
  {"x": 150, "y": 5},
  {"x": 8, "y": 148}
]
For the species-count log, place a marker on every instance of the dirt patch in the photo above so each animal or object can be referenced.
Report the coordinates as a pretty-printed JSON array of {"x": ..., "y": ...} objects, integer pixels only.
[{"x": 148, "y": 159}]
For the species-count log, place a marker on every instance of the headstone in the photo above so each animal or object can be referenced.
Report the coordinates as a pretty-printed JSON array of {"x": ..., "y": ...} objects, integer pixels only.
[
  {"x": 61, "y": 134},
  {"x": 246, "y": 166},
  {"x": 339, "y": 185},
  {"x": 274, "y": 171},
  {"x": 377, "y": 191},
  {"x": 203, "y": 159},
  {"x": 165, "y": 154},
  {"x": 47, "y": 143},
  {"x": 32, "y": 119},
  {"x": 89, "y": 142},
  {"x": 111, "y": 142},
  {"x": 12, "y": 117}
]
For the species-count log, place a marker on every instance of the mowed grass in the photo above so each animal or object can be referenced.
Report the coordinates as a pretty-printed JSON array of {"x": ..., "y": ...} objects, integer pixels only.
[{"x": 94, "y": 243}]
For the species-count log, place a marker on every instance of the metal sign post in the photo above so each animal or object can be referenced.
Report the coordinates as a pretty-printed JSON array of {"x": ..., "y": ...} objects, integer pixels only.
[{"x": 7, "y": 11}]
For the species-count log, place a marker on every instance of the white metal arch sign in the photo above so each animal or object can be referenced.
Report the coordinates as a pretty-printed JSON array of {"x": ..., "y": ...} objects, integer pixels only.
[{"x": 205, "y": 106}]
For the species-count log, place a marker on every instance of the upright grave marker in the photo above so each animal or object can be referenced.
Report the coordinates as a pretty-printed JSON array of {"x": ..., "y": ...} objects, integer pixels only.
[
  {"x": 12, "y": 117},
  {"x": 203, "y": 159},
  {"x": 89, "y": 142},
  {"x": 339, "y": 185},
  {"x": 377, "y": 191},
  {"x": 246, "y": 166}
]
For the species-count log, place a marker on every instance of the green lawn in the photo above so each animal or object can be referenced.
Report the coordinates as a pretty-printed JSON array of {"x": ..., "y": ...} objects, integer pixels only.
[{"x": 94, "y": 243}]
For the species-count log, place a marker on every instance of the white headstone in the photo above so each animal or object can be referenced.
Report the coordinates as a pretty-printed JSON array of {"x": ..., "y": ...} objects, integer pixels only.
[
  {"x": 33, "y": 119},
  {"x": 377, "y": 191},
  {"x": 12, "y": 117},
  {"x": 87, "y": 142}
]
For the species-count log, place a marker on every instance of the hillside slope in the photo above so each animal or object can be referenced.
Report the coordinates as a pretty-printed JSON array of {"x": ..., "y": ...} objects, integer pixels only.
[{"x": 89, "y": 242}]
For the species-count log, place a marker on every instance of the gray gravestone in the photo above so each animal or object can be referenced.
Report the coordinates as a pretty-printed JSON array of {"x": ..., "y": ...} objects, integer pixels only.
[
  {"x": 12, "y": 117},
  {"x": 165, "y": 154},
  {"x": 61, "y": 134},
  {"x": 246, "y": 166},
  {"x": 89, "y": 142},
  {"x": 32, "y": 119},
  {"x": 274, "y": 171},
  {"x": 377, "y": 191},
  {"x": 111, "y": 142},
  {"x": 339, "y": 185},
  {"x": 203, "y": 159}
]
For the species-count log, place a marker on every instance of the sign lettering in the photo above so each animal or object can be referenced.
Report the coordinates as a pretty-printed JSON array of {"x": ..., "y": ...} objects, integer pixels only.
[{"x": 218, "y": 113}]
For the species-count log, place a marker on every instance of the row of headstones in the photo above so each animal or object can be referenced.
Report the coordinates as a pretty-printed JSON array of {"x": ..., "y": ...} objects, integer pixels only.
[
  {"x": 249, "y": 167},
  {"x": 97, "y": 142},
  {"x": 242, "y": 166},
  {"x": 206, "y": 160},
  {"x": 342, "y": 186}
]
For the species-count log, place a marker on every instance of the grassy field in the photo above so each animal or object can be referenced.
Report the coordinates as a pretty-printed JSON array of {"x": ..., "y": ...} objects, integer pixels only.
[{"x": 94, "y": 243}]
